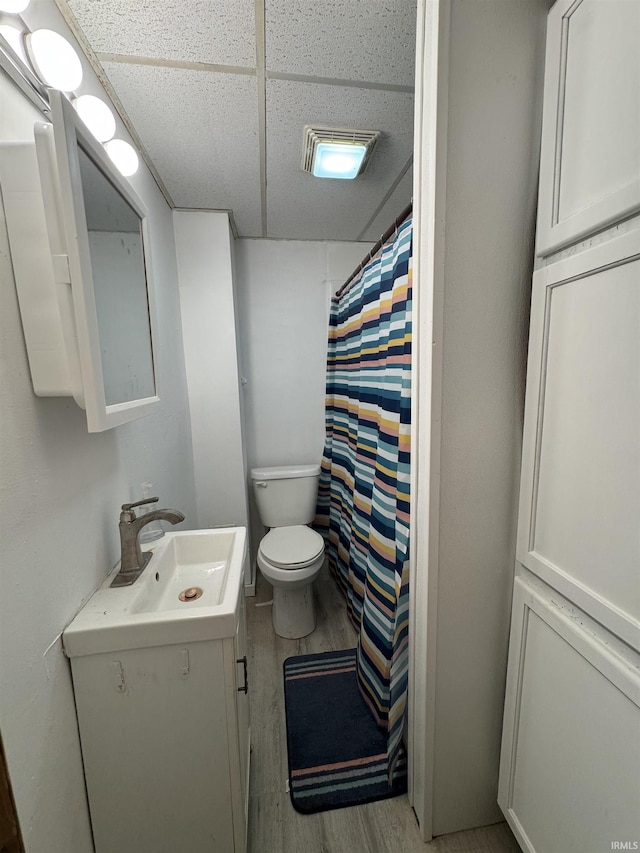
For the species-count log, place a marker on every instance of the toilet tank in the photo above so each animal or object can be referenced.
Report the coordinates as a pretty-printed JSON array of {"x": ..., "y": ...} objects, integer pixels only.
[{"x": 286, "y": 495}]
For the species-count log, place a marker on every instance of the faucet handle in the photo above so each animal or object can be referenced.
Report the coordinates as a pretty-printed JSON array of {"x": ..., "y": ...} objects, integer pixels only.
[
  {"x": 127, "y": 514},
  {"x": 127, "y": 507}
]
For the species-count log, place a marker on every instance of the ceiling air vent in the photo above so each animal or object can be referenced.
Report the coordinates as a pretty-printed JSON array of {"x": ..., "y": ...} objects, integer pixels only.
[{"x": 337, "y": 152}]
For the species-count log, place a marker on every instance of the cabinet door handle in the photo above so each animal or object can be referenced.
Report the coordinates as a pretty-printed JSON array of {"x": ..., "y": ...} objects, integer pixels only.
[{"x": 245, "y": 688}]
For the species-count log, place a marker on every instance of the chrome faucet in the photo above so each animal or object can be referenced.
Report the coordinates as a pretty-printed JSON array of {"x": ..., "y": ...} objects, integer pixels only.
[{"x": 133, "y": 559}]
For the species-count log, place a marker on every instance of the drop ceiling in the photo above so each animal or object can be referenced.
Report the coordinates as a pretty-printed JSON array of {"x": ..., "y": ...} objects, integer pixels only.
[{"x": 218, "y": 93}]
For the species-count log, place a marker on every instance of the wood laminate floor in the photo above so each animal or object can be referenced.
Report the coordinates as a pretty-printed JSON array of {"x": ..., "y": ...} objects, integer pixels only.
[{"x": 388, "y": 826}]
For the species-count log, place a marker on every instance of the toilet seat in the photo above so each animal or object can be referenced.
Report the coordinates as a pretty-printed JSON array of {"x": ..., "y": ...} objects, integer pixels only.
[{"x": 292, "y": 547}]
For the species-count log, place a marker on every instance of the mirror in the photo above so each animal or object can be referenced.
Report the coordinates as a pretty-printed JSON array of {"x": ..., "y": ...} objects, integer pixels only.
[{"x": 118, "y": 271}]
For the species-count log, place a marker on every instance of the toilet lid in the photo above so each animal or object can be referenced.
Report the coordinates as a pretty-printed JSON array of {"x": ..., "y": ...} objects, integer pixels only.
[{"x": 291, "y": 546}]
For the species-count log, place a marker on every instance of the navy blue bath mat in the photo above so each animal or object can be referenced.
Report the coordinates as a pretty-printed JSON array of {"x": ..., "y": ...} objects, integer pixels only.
[{"x": 337, "y": 753}]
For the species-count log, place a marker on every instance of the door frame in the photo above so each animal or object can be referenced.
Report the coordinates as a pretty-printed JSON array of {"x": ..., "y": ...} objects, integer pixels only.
[{"x": 429, "y": 198}]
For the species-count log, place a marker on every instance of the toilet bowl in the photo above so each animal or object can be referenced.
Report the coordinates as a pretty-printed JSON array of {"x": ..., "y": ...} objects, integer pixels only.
[
  {"x": 293, "y": 606},
  {"x": 291, "y": 554}
]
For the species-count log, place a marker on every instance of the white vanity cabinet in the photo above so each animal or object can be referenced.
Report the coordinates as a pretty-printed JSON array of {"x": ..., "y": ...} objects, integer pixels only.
[{"x": 165, "y": 742}]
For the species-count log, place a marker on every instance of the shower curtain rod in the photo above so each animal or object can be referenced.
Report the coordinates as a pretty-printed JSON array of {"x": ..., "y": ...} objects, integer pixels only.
[{"x": 381, "y": 242}]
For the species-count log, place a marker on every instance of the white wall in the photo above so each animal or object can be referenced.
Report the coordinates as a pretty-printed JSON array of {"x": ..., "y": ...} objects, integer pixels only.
[
  {"x": 204, "y": 246},
  {"x": 494, "y": 101},
  {"x": 284, "y": 289},
  {"x": 60, "y": 492},
  {"x": 205, "y": 250}
]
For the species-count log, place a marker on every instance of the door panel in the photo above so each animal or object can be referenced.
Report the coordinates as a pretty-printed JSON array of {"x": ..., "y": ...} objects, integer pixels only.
[
  {"x": 571, "y": 747},
  {"x": 588, "y": 477},
  {"x": 580, "y": 487},
  {"x": 591, "y": 170}
]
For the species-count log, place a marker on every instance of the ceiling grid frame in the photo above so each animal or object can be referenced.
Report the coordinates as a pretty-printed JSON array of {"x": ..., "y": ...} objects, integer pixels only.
[
  {"x": 186, "y": 65},
  {"x": 261, "y": 84},
  {"x": 213, "y": 68}
]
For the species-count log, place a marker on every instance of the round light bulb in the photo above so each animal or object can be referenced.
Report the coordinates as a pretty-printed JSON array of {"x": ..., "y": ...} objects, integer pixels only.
[
  {"x": 123, "y": 156},
  {"x": 96, "y": 115},
  {"x": 13, "y": 7},
  {"x": 13, "y": 37},
  {"x": 54, "y": 60}
]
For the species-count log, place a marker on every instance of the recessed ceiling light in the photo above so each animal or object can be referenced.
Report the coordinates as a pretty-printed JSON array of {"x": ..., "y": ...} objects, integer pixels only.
[
  {"x": 13, "y": 7},
  {"x": 96, "y": 115},
  {"x": 123, "y": 155},
  {"x": 54, "y": 60},
  {"x": 13, "y": 37},
  {"x": 337, "y": 152}
]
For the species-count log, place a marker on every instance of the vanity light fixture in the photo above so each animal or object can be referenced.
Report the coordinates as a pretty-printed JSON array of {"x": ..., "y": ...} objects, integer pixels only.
[
  {"x": 13, "y": 7},
  {"x": 96, "y": 115},
  {"x": 123, "y": 156},
  {"x": 54, "y": 60},
  {"x": 337, "y": 152},
  {"x": 13, "y": 37}
]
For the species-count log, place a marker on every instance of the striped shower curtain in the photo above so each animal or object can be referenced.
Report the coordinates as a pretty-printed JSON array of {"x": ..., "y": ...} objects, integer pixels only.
[{"x": 363, "y": 503}]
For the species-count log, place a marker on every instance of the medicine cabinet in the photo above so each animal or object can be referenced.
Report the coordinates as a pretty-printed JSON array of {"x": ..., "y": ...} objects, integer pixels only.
[{"x": 80, "y": 250}]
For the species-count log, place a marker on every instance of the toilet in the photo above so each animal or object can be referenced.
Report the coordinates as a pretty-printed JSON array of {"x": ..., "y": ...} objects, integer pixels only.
[{"x": 291, "y": 555}]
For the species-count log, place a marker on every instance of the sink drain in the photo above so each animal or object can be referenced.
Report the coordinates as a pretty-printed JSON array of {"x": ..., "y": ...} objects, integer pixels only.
[{"x": 190, "y": 594}]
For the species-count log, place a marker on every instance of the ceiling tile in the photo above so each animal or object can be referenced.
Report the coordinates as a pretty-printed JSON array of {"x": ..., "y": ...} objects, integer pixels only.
[
  {"x": 201, "y": 131},
  {"x": 343, "y": 39},
  {"x": 397, "y": 202},
  {"x": 214, "y": 31},
  {"x": 300, "y": 206}
]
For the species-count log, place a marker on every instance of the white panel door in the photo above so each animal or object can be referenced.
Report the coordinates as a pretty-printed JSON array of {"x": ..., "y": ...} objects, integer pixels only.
[{"x": 590, "y": 170}]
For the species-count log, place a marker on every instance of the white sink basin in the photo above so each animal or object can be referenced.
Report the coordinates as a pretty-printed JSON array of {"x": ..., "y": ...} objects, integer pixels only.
[{"x": 206, "y": 566}]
